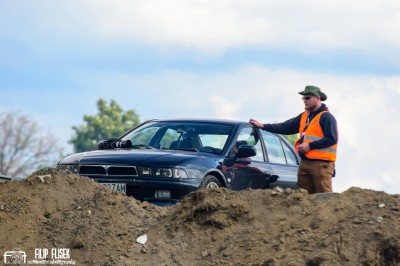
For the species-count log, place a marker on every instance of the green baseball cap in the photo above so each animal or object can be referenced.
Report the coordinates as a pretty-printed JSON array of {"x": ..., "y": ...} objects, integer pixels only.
[{"x": 314, "y": 90}]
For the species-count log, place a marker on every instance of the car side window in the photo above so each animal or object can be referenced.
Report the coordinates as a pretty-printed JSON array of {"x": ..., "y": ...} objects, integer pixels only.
[
  {"x": 249, "y": 136},
  {"x": 290, "y": 157},
  {"x": 274, "y": 148}
]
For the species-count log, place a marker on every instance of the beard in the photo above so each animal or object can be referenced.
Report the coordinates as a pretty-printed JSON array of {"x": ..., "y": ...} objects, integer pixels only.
[
  {"x": 308, "y": 109},
  {"x": 312, "y": 106}
]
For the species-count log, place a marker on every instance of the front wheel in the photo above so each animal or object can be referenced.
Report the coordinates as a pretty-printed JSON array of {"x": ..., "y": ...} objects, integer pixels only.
[{"x": 210, "y": 182}]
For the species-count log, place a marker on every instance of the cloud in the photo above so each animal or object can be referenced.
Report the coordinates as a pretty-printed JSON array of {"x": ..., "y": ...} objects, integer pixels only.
[
  {"x": 226, "y": 109},
  {"x": 213, "y": 26},
  {"x": 217, "y": 25}
]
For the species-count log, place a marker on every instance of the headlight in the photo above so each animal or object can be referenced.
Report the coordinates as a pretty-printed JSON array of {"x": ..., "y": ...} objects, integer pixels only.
[
  {"x": 165, "y": 172},
  {"x": 180, "y": 173},
  {"x": 74, "y": 168}
]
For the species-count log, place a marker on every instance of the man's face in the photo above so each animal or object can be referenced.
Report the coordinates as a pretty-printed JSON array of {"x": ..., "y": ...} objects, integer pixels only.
[{"x": 310, "y": 102}]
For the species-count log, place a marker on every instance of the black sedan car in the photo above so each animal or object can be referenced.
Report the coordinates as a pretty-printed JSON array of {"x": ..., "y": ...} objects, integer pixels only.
[{"x": 164, "y": 160}]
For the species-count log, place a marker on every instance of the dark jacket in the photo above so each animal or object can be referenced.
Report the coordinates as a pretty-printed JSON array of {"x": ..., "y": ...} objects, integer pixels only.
[{"x": 292, "y": 126}]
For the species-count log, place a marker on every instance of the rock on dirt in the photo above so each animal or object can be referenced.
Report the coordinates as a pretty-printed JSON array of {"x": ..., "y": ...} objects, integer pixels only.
[{"x": 57, "y": 209}]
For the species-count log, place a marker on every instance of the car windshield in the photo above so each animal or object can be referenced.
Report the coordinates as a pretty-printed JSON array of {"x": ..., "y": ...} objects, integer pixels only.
[{"x": 203, "y": 137}]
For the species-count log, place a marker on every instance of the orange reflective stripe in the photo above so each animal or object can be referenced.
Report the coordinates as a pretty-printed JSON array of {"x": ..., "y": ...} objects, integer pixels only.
[{"x": 308, "y": 139}]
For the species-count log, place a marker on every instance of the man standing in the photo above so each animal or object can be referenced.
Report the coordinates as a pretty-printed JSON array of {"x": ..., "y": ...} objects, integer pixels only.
[{"x": 317, "y": 142}]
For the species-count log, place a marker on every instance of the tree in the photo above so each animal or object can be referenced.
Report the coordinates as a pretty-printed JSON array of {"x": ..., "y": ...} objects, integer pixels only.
[
  {"x": 110, "y": 122},
  {"x": 24, "y": 147},
  {"x": 291, "y": 138}
]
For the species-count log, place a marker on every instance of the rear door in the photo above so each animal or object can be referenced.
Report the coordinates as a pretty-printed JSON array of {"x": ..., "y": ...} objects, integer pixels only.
[{"x": 282, "y": 159}]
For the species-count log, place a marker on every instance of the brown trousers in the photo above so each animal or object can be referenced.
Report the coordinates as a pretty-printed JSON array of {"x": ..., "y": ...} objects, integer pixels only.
[{"x": 315, "y": 176}]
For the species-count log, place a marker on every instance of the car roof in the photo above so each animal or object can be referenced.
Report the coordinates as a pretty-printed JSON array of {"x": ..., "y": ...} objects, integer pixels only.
[{"x": 202, "y": 120}]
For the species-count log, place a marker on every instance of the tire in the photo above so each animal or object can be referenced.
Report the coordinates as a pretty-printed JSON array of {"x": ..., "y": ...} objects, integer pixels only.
[{"x": 210, "y": 181}]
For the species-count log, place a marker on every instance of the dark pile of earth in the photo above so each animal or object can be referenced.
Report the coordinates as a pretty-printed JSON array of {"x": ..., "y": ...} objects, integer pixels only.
[{"x": 56, "y": 209}]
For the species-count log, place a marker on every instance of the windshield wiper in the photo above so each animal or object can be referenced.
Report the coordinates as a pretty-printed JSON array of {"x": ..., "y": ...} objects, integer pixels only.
[{"x": 142, "y": 146}]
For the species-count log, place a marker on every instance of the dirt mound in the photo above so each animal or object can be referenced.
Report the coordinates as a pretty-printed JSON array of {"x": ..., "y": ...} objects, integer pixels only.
[{"x": 57, "y": 209}]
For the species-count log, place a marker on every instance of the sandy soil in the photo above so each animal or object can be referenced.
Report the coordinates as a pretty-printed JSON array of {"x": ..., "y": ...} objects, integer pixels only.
[{"x": 59, "y": 210}]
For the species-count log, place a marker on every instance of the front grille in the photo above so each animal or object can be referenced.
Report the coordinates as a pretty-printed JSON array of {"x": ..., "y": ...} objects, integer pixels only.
[
  {"x": 118, "y": 170},
  {"x": 107, "y": 170},
  {"x": 92, "y": 170}
]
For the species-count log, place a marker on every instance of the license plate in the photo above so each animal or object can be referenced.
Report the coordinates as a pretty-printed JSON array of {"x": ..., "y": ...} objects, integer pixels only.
[{"x": 120, "y": 187}]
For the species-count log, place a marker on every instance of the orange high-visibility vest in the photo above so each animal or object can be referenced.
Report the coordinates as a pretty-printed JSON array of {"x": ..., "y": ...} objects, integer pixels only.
[{"x": 313, "y": 133}]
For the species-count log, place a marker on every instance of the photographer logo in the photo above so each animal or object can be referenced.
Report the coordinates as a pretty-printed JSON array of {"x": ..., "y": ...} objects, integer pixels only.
[
  {"x": 44, "y": 256},
  {"x": 16, "y": 256}
]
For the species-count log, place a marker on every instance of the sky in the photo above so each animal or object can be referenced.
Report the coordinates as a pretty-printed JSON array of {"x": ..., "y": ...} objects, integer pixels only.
[{"x": 212, "y": 59}]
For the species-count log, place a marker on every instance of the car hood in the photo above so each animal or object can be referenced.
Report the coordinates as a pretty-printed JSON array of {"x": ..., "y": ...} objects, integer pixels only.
[{"x": 132, "y": 157}]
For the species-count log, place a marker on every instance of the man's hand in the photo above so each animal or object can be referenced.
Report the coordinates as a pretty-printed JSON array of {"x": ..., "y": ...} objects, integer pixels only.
[
  {"x": 304, "y": 147},
  {"x": 256, "y": 123}
]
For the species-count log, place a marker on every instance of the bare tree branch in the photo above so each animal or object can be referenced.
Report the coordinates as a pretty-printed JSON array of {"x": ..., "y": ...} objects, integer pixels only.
[{"x": 23, "y": 146}]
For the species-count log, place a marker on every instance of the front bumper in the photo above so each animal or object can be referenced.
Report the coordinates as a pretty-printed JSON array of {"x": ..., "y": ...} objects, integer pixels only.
[{"x": 144, "y": 189}]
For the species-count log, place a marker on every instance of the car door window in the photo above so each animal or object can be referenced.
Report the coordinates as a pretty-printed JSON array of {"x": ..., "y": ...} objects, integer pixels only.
[
  {"x": 290, "y": 156},
  {"x": 274, "y": 148},
  {"x": 249, "y": 136}
]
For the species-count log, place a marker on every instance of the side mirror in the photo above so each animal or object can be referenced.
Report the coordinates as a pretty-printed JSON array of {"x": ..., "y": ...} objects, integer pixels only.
[{"x": 246, "y": 151}]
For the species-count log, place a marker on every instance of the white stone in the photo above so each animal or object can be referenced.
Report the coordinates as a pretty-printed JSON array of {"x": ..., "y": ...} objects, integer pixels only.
[{"x": 142, "y": 239}]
